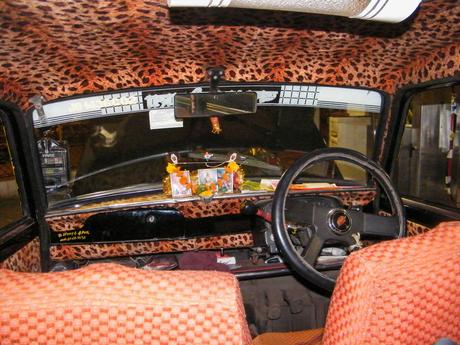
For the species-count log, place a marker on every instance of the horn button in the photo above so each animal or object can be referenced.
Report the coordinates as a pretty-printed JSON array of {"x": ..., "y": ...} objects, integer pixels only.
[{"x": 339, "y": 221}]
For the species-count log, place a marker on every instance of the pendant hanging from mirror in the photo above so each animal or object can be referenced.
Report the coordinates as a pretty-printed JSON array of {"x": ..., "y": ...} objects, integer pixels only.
[{"x": 215, "y": 125}]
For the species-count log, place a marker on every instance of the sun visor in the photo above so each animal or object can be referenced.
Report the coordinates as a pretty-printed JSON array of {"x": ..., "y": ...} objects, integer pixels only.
[{"x": 391, "y": 11}]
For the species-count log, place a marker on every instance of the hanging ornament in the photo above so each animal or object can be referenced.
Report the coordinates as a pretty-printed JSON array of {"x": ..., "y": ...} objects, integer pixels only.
[
  {"x": 207, "y": 156},
  {"x": 232, "y": 166},
  {"x": 215, "y": 124},
  {"x": 172, "y": 167}
]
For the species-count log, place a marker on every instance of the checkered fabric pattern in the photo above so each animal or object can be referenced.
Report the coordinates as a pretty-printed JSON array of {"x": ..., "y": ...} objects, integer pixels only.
[
  {"x": 404, "y": 291},
  {"x": 112, "y": 304}
]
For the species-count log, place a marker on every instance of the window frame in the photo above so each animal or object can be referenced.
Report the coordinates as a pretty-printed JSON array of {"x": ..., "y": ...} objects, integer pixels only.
[
  {"x": 377, "y": 150},
  {"x": 17, "y": 169},
  {"x": 400, "y": 106},
  {"x": 18, "y": 227},
  {"x": 23, "y": 154}
]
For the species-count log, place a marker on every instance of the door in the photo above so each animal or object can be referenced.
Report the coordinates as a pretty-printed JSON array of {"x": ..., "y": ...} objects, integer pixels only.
[
  {"x": 426, "y": 164},
  {"x": 19, "y": 195}
]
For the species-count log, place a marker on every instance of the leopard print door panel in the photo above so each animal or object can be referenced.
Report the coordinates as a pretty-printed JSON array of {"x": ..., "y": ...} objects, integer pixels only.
[{"x": 26, "y": 259}]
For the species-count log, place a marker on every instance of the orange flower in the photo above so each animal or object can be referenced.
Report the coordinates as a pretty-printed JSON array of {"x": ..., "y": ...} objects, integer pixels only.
[
  {"x": 183, "y": 180},
  {"x": 233, "y": 166},
  {"x": 171, "y": 168}
]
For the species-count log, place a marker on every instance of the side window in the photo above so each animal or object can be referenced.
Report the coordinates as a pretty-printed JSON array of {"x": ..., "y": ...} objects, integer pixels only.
[
  {"x": 10, "y": 203},
  {"x": 428, "y": 166}
]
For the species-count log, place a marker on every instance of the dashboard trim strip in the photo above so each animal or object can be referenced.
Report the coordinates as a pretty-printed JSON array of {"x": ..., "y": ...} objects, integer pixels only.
[
  {"x": 160, "y": 200},
  {"x": 107, "y": 250}
]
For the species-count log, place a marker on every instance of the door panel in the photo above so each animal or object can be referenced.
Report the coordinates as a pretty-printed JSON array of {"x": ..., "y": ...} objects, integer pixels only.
[
  {"x": 26, "y": 259},
  {"x": 426, "y": 164},
  {"x": 19, "y": 244}
]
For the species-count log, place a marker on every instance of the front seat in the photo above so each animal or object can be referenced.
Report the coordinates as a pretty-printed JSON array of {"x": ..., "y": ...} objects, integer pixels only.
[
  {"x": 405, "y": 291},
  {"x": 108, "y": 304}
]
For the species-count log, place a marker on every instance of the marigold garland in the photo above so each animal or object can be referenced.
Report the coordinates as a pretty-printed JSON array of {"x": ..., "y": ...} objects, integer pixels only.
[{"x": 231, "y": 168}]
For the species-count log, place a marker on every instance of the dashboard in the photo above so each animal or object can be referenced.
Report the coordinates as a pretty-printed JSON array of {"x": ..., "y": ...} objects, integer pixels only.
[{"x": 155, "y": 224}]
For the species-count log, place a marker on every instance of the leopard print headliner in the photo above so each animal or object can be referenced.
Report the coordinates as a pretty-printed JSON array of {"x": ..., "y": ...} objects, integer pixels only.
[
  {"x": 60, "y": 48},
  {"x": 107, "y": 250},
  {"x": 189, "y": 209}
]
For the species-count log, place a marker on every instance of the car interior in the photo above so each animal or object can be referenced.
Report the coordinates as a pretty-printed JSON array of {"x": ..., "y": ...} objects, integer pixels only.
[{"x": 230, "y": 172}]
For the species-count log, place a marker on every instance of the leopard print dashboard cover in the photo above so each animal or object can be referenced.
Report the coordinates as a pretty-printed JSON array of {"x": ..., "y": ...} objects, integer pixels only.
[
  {"x": 107, "y": 250},
  {"x": 74, "y": 223},
  {"x": 60, "y": 48},
  {"x": 189, "y": 209},
  {"x": 98, "y": 251}
]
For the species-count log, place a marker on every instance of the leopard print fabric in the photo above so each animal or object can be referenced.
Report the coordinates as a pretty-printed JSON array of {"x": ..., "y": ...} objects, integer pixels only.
[
  {"x": 60, "y": 48},
  {"x": 26, "y": 259},
  {"x": 103, "y": 250},
  {"x": 414, "y": 229},
  {"x": 354, "y": 198},
  {"x": 440, "y": 63},
  {"x": 189, "y": 209},
  {"x": 68, "y": 223}
]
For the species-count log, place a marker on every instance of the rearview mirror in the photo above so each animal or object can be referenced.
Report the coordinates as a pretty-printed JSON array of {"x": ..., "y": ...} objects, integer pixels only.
[{"x": 214, "y": 104}]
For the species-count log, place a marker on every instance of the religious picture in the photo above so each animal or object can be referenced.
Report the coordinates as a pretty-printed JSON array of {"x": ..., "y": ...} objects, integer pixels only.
[
  {"x": 208, "y": 179},
  {"x": 224, "y": 181},
  {"x": 181, "y": 185}
]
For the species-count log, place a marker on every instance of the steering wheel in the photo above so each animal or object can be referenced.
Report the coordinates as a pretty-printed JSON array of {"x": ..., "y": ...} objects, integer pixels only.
[{"x": 331, "y": 222}]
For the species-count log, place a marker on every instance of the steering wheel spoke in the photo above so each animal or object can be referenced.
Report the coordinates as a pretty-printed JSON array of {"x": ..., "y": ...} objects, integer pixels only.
[
  {"x": 313, "y": 249},
  {"x": 380, "y": 226}
]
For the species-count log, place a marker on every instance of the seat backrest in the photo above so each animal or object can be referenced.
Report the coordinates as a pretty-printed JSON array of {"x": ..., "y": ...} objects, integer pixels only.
[
  {"x": 405, "y": 291},
  {"x": 112, "y": 304}
]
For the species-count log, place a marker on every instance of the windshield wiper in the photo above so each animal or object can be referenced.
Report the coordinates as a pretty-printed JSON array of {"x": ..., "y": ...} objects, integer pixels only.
[
  {"x": 115, "y": 166},
  {"x": 240, "y": 159},
  {"x": 110, "y": 193}
]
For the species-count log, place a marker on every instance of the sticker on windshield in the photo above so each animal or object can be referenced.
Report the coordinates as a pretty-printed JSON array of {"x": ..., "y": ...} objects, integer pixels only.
[{"x": 163, "y": 118}]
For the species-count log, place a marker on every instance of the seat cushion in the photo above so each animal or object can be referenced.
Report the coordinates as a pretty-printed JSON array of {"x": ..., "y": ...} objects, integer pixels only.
[
  {"x": 404, "y": 291},
  {"x": 112, "y": 304},
  {"x": 309, "y": 337}
]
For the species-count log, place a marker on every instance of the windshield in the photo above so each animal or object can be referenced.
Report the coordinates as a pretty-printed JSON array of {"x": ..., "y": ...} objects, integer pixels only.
[{"x": 132, "y": 151}]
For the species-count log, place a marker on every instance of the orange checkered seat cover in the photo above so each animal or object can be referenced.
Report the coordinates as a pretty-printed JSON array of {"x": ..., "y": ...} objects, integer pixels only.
[
  {"x": 112, "y": 304},
  {"x": 405, "y": 291}
]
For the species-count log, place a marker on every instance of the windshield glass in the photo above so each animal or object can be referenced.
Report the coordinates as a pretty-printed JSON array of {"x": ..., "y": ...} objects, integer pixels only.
[{"x": 131, "y": 151}]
